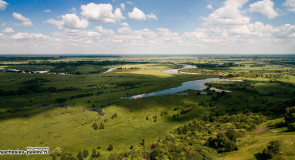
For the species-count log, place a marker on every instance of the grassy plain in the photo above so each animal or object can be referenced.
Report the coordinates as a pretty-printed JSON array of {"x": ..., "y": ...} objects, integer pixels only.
[{"x": 23, "y": 123}]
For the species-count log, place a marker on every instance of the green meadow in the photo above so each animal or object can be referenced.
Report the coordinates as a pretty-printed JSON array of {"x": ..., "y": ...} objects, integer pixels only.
[{"x": 33, "y": 112}]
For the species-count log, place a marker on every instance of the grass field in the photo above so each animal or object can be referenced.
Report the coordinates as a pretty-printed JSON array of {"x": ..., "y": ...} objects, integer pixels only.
[{"x": 23, "y": 123}]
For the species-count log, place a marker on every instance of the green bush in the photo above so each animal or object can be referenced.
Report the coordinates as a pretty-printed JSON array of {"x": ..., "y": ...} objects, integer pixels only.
[
  {"x": 110, "y": 148},
  {"x": 95, "y": 126},
  {"x": 291, "y": 127},
  {"x": 222, "y": 143},
  {"x": 272, "y": 150},
  {"x": 290, "y": 115},
  {"x": 68, "y": 156}
]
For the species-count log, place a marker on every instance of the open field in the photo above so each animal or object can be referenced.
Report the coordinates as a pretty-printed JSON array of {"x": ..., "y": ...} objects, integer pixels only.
[{"x": 267, "y": 89}]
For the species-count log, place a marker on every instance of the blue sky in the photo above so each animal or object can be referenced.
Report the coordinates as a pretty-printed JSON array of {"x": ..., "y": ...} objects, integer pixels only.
[{"x": 147, "y": 27}]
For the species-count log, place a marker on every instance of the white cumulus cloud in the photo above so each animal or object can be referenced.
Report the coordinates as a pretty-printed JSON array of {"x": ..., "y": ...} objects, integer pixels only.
[
  {"x": 264, "y": 7},
  {"x": 8, "y": 30},
  {"x": 152, "y": 16},
  {"x": 69, "y": 21},
  {"x": 125, "y": 24},
  {"x": 229, "y": 14},
  {"x": 29, "y": 36},
  {"x": 290, "y": 4},
  {"x": 137, "y": 14},
  {"x": 3, "y": 5},
  {"x": 103, "y": 31},
  {"x": 102, "y": 13},
  {"x": 25, "y": 21}
]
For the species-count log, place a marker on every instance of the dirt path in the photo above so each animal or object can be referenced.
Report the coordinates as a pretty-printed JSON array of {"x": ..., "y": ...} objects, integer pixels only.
[{"x": 260, "y": 129}]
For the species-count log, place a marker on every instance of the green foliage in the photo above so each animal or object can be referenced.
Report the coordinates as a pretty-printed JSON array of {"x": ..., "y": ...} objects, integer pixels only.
[
  {"x": 110, "y": 148},
  {"x": 68, "y": 156},
  {"x": 80, "y": 155},
  {"x": 95, "y": 154},
  {"x": 114, "y": 116},
  {"x": 291, "y": 127},
  {"x": 222, "y": 143},
  {"x": 85, "y": 153},
  {"x": 60, "y": 100},
  {"x": 290, "y": 115},
  {"x": 101, "y": 126},
  {"x": 95, "y": 126},
  {"x": 272, "y": 150},
  {"x": 142, "y": 142}
]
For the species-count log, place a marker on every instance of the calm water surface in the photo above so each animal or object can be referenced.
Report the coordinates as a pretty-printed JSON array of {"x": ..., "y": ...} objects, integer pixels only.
[{"x": 194, "y": 85}]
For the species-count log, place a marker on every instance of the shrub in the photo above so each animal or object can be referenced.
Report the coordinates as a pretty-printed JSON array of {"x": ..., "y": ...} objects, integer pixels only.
[
  {"x": 101, "y": 126},
  {"x": 222, "y": 143},
  {"x": 68, "y": 156},
  {"x": 95, "y": 154},
  {"x": 60, "y": 100},
  {"x": 85, "y": 153},
  {"x": 272, "y": 150},
  {"x": 95, "y": 126},
  {"x": 291, "y": 127},
  {"x": 290, "y": 115},
  {"x": 80, "y": 156},
  {"x": 110, "y": 148}
]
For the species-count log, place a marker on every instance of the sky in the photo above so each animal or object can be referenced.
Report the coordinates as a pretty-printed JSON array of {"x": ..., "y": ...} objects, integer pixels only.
[{"x": 147, "y": 27}]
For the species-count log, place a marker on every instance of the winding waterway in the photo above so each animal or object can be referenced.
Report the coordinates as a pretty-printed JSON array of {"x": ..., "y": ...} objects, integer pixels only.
[
  {"x": 176, "y": 71},
  {"x": 194, "y": 85}
]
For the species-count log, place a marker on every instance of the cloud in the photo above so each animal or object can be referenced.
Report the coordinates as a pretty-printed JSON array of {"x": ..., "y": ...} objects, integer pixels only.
[
  {"x": 264, "y": 7},
  {"x": 103, "y": 31},
  {"x": 125, "y": 24},
  {"x": 229, "y": 14},
  {"x": 290, "y": 4},
  {"x": 25, "y": 21},
  {"x": 69, "y": 21},
  {"x": 152, "y": 16},
  {"x": 8, "y": 30},
  {"x": 129, "y": 2},
  {"x": 47, "y": 11},
  {"x": 123, "y": 6},
  {"x": 3, "y": 24},
  {"x": 209, "y": 6},
  {"x": 102, "y": 13},
  {"x": 3, "y": 5},
  {"x": 137, "y": 14},
  {"x": 29, "y": 36}
]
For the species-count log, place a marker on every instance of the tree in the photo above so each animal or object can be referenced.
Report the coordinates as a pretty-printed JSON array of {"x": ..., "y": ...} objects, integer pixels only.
[
  {"x": 110, "y": 148},
  {"x": 222, "y": 143},
  {"x": 85, "y": 153},
  {"x": 80, "y": 156},
  {"x": 142, "y": 142},
  {"x": 95, "y": 126},
  {"x": 290, "y": 115},
  {"x": 60, "y": 100},
  {"x": 272, "y": 149},
  {"x": 101, "y": 126},
  {"x": 291, "y": 127},
  {"x": 95, "y": 154}
]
